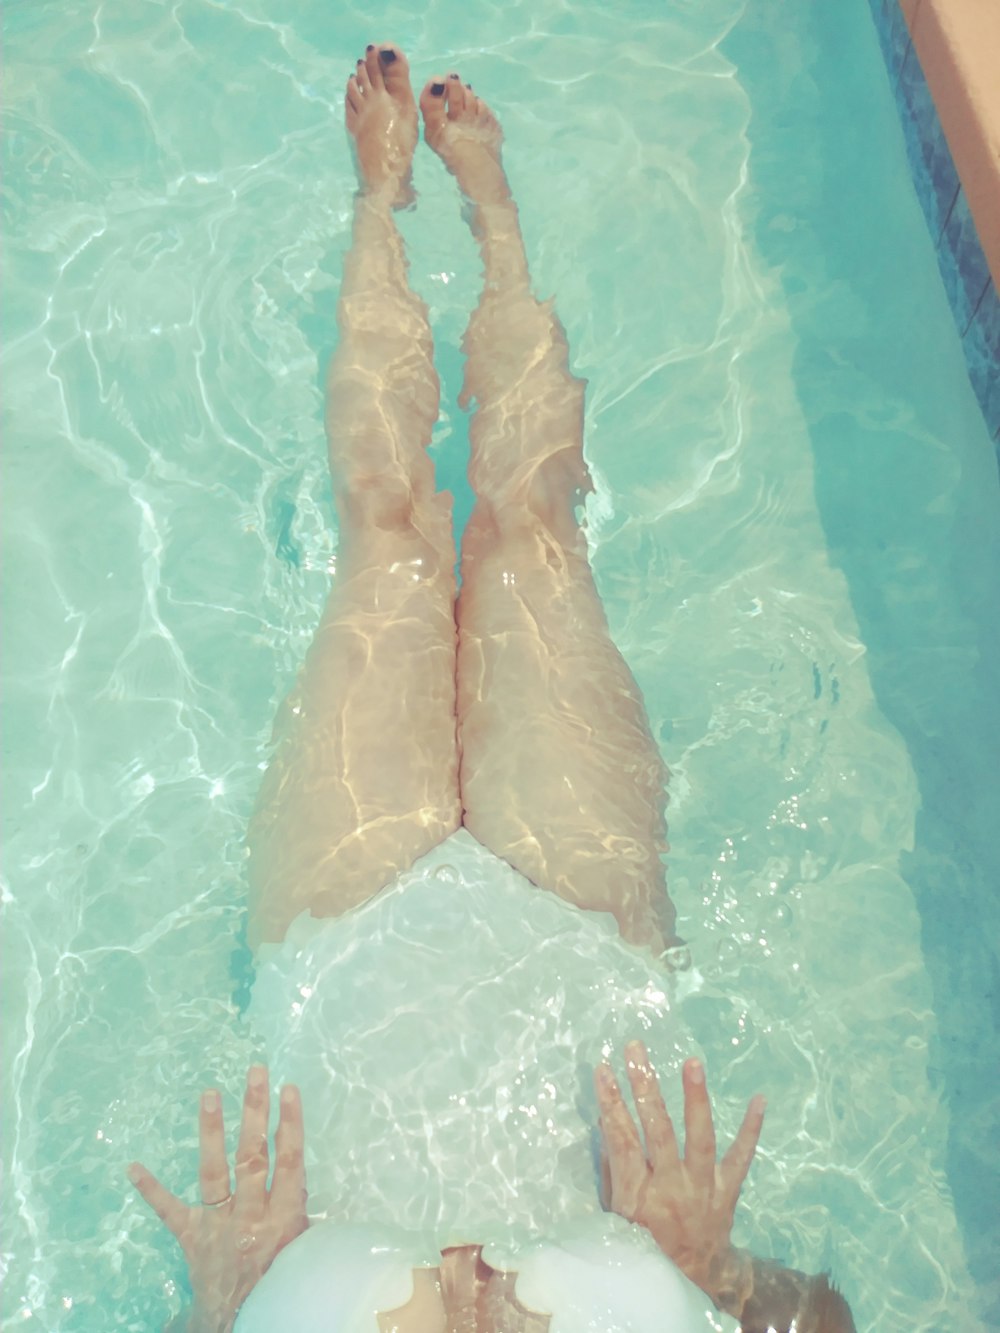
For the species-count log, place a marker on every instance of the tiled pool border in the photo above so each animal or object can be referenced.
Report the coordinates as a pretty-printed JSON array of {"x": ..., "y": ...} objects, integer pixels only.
[{"x": 964, "y": 267}]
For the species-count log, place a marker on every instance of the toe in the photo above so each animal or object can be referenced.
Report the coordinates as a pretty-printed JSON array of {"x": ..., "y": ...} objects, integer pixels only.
[
  {"x": 456, "y": 95},
  {"x": 395, "y": 70},
  {"x": 373, "y": 68},
  {"x": 432, "y": 102},
  {"x": 354, "y": 94},
  {"x": 363, "y": 77}
]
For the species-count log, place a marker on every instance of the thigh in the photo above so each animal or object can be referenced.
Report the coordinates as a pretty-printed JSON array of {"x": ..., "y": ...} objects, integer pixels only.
[
  {"x": 560, "y": 775},
  {"x": 364, "y": 774}
]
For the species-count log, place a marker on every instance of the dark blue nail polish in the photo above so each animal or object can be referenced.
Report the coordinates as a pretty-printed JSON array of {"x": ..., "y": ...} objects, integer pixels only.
[
  {"x": 387, "y": 57},
  {"x": 452, "y": 76},
  {"x": 369, "y": 47},
  {"x": 469, "y": 86},
  {"x": 437, "y": 89}
]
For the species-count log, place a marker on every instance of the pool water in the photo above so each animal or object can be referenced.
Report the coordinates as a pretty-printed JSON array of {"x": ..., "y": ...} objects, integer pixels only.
[{"x": 795, "y": 532}]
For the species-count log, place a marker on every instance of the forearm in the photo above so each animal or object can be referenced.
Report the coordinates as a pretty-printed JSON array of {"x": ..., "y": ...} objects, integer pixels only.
[{"x": 765, "y": 1296}]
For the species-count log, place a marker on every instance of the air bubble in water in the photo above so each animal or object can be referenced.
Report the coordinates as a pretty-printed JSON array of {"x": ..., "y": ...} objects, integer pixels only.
[
  {"x": 446, "y": 874},
  {"x": 728, "y": 951},
  {"x": 781, "y": 914}
]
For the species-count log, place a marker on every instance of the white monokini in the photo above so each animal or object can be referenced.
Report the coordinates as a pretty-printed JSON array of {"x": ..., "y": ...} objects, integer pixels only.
[
  {"x": 336, "y": 1279},
  {"x": 444, "y": 1037}
]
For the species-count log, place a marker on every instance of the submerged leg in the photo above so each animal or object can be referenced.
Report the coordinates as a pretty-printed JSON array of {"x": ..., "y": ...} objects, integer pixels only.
[
  {"x": 559, "y": 773},
  {"x": 364, "y": 778}
]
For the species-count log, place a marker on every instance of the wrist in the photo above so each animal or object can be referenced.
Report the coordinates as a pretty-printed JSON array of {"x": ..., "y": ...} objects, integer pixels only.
[{"x": 728, "y": 1279}]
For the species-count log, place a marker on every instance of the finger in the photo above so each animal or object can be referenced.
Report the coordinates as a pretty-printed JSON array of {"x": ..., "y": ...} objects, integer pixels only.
[
  {"x": 167, "y": 1207},
  {"x": 288, "y": 1188},
  {"x": 657, "y": 1127},
  {"x": 213, "y": 1164},
  {"x": 626, "y": 1159},
  {"x": 605, "y": 1185},
  {"x": 736, "y": 1162},
  {"x": 251, "y": 1151},
  {"x": 699, "y": 1132}
]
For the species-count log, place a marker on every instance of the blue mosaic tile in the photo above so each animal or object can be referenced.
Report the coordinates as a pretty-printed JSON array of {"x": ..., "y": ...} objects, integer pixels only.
[
  {"x": 930, "y": 157},
  {"x": 880, "y": 19},
  {"x": 982, "y": 352},
  {"x": 971, "y": 270},
  {"x": 914, "y": 96},
  {"x": 944, "y": 182},
  {"x": 913, "y": 139},
  {"x": 894, "y": 36},
  {"x": 961, "y": 308}
]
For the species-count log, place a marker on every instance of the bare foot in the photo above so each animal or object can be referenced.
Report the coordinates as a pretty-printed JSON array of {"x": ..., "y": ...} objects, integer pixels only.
[
  {"x": 382, "y": 120},
  {"x": 466, "y": 135}
]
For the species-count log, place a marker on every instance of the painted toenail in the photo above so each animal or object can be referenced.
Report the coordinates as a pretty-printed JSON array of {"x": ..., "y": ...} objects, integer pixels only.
[
  {"x": 469, "y": 86},
  {"x": 387, "y": 57},
  {"x": 369, "y": 48},
  {"x": 452, "y": 76},
  {"x": 437, "y": 89}
]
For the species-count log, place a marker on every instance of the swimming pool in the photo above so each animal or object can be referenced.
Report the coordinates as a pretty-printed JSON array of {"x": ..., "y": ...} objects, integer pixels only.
[{"x": 795, "y": 533}]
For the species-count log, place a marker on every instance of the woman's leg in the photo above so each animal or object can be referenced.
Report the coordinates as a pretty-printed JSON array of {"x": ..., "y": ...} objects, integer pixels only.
[
  {"x": 559, "y": 773},
  {"x": 364, "y": 778}
]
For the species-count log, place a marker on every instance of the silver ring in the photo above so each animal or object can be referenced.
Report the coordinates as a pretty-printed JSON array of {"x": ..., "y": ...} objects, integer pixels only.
[{"x": 220, "y": 1202}]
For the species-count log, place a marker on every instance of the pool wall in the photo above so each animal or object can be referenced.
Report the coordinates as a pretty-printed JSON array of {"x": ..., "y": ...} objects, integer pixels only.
[
  {"x": 906, "y": 482},
  {"x": 942, "y": 57}
]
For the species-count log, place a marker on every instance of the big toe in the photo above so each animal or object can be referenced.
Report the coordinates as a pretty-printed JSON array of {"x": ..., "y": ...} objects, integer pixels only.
[
  {"x": 391, "y": 71},
  {"x": 434, "y": 106}
]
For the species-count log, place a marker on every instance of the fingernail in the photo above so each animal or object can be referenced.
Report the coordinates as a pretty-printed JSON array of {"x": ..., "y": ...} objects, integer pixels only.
[
  {"x": 211, "y": 1100},
  {"x": 387, "y": 57},
  {"x": 696, "y": 1071},
  {"x": 437, "y": 89}
]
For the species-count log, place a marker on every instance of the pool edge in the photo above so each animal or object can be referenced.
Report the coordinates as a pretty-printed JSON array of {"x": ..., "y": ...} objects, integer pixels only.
[{"x": 938, "y": 55}]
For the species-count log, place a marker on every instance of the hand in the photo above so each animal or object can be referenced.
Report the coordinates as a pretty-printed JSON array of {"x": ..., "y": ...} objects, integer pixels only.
[
  {"x": 231, "y": 1240},
  {"x": 688, "y": 1202}
]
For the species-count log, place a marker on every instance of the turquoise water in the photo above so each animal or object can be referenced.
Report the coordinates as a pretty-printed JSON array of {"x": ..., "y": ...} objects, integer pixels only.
[{"x": 795, "y": 532}]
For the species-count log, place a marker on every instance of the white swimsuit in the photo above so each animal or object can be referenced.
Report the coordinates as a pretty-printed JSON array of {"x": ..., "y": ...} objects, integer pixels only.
[
  {"x": 336, "y": 1279},
  {"x": 444, "y": 1037}
]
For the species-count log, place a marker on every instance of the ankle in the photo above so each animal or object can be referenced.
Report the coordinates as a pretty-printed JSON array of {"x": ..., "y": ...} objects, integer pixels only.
[{"x": 497, "y": 229}]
